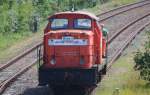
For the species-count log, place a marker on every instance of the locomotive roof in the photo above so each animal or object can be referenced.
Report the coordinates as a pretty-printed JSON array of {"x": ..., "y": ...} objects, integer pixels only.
[{"x": 79, "y": 12}]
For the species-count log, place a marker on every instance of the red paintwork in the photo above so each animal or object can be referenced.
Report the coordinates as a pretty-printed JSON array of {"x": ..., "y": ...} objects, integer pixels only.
[
  {"x": 104, "y": 47},
  {"x": 69, "y": 56}
]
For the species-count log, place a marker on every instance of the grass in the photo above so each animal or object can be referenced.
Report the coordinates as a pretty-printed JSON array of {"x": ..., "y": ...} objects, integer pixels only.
[
  {"x": 122, "y": 79},
  {"x": 13, "y": 44},
  {"x": 116, "y": 77},
  {"x": 12, "y": 38}
]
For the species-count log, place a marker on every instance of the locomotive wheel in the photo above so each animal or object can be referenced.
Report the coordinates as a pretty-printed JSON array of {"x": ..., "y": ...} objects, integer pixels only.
[
  {"x": 104, "y": 70},
  {"x": 99, "y": 77}
]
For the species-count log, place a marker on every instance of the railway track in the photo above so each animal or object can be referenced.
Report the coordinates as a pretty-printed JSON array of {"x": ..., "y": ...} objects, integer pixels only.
[
  {"x": 125, "y": 44},
  {"x": 117, "y": 22},
  {"x": 112, "y": 14},
  {"x": 10, "y": 73},
  {"x": 124, "y": 37},
  {"x": 5, "y": 82},
  {"x": 109, "y": 14}
]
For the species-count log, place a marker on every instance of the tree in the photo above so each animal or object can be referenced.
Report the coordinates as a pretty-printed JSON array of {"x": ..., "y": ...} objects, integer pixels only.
[
  {"x": 18, "y": 16},
  {"x": 142, "y": 60}
]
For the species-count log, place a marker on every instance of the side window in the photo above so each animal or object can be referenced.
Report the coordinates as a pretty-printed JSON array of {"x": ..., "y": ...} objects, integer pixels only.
[
  {"x": 105, "y": 31},
  {"x": 59, "y": 23},
  {"x": 82, "y": 23}
]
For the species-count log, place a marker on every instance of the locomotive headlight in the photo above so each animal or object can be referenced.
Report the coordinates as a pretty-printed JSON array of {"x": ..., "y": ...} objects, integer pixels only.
[
  {"x": 82, "y": 61},
  {"x": 53, "y": 61}
]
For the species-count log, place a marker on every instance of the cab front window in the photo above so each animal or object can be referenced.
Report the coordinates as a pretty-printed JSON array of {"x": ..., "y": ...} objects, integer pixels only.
[
  {"x": 82, "y": 24},
  {"x": 59, "y": 24}
]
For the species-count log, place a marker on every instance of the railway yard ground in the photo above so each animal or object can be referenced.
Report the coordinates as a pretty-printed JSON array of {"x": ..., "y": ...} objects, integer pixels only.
[
  {"x": 121, "y": 79},
  {"x": 110, "y": 5}
]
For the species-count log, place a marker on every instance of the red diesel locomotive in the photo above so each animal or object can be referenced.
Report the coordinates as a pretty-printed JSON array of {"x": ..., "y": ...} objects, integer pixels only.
[{"x": 74, "y": 49}]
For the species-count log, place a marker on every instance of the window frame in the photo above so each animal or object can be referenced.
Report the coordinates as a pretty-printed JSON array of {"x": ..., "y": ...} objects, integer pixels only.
[
  {"x": 51, "y": 20},
  {"x": 75, "y": 19}
]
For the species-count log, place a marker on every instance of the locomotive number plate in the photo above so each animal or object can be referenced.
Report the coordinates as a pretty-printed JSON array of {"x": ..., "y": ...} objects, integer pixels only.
[{"x": 67, "y": 40}]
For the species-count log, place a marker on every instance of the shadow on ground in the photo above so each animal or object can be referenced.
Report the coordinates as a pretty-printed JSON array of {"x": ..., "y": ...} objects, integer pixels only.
[
  {"x": 37, "y": 91},
  {"x": 58, "y": 91}
]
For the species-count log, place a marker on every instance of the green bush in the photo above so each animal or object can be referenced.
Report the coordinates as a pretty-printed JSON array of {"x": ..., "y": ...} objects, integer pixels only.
[
  {"x": 15, "y": 16},
  {"x": 142, "y": 60}
]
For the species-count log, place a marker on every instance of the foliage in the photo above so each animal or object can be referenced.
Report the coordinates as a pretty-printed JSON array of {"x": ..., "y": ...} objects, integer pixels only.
[
  {"x": 142, "y": 60},
  {"x": 17, "y": 16}
]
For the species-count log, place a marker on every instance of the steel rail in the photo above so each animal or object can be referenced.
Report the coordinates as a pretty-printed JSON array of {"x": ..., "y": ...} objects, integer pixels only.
[
  {"x": 7, "y": 82},
  {"x": 126, "y": 43},
  {"x": 122, "y": 11},
  {"x": 20, "y": 56},
  {"x": 11, "y": 79},
  {"x": 124, "y": 28},
  {"x": 124, "y": 6},
  {"x": 117, "y": 54}
]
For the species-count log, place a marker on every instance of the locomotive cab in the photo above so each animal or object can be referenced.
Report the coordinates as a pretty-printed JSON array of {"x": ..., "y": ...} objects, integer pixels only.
[{"x": 74, "y": 46}]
